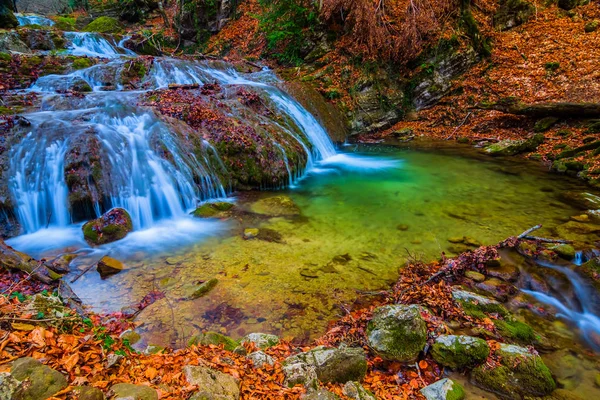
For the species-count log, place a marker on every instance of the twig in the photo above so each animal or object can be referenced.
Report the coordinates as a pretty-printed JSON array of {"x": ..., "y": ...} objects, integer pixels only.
[
  {"x": 546, "y": 240},
  {"x": 83, "y": 273},
  {"x": 528, "y": 231},
  {"x": 461, "y": 124}
]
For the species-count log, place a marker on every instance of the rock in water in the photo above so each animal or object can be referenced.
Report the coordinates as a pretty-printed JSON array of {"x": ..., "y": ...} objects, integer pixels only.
[
  {"x": 520, "y": 374},
  {"x": 397, "y": 332},
  {"x": 211, "y": 384},
  {"x": 213, "y": 210},
  {"x": 204, "y": 288},
  {"x": 128, "y": 391},
  {"x": 43, "y": 382},
  {"x": 214, "y": 338},
  {"x": 513, "y": 147},
  {"x": 277, "y": 206},
  {"x": 109, "y": 266},
  {"x": 444, "y": 389},
  {"x": 261, "y": 340},
  {"x": 113, "y": 225},
  {"x": 459, "y": 352}
]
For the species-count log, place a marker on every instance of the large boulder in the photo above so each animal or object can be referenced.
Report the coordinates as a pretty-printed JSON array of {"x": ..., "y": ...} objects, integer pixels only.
[
  {"x": 338, "y": 365},
  {"x": 510, "y": 147},
  {"x": 7, "y": 16},
  {"x": 42, "y": 381},
  {"x": 128, "y": 391},
  {"x": 11, "y": 41},
  {"x": 444, "y": 389},
  {"x": 397, "y": 332},
  {"x": 212, "y": 384},
  {"x": 217, "y": 209},
  {"x": 113, "y": 225},
  {"x": 104, "y": 25},
  {"x": 458, "y": 352},
  {"x": 520, "y": 373}
]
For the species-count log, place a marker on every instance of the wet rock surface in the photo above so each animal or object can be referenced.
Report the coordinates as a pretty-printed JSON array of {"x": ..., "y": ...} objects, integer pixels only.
[
  {"x": 212, "y": 384},
  {"x": 112, "y": 226}
]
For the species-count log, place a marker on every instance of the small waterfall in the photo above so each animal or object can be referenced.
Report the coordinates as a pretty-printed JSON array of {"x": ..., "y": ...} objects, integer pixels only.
[
  {"x": 32, "y": 19},
  {"x": 93, "y": 45}
]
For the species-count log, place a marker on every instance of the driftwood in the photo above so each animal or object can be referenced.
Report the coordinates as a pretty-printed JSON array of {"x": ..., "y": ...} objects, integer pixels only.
[
  {"x": 13, "y": 259},
  {"x": 185, "y": 86},
  {"x": 540, "y": 110},
  {"x": 526, "y": 235}
]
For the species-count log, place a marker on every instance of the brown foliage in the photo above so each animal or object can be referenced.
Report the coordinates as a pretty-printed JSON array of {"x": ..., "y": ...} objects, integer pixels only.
[{"x": 396, "y": 30}]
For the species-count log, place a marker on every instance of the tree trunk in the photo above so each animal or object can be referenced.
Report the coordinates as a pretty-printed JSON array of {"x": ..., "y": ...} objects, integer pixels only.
[
  {"x": 540, "y": 110},
  {"x": 13, "y": 259}
]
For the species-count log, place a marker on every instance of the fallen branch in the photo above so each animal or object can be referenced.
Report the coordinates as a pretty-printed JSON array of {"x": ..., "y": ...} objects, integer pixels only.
[
  {"x": 82, "y": 273},
  {"x": 13, "y": 259},
  {"x": 540, "y": 110},
  {"x": 546, "y": 240},
  {"x": 461, "y": 124},
  {"x": 528, "y": 231}
]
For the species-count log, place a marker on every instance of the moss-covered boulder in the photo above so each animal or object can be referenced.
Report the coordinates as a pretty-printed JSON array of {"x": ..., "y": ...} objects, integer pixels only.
[
  {"x": 276, "y": 206},
  {"x": 40, "y": 39},
  {"x": 211, "y": 384},
  {"x": 65, "y": 23},
  {"x": 520, "y": 373},
  {"x": 214, "y": 338},
  {"x": 42, "y": 381},
  {"x": 113, "y": 225},
  {"x": 89, "y": 393},
  {"x": 261, "y": 340},
  {"x": 397, "y": 332},
  {"x": 513, "y": 147},
  {"x": 204, "y": 288},
  {"x": 11, "y": 41},
  {"x": 458, "y": 352},
  {"x": 128, "y": 391},
  {"x": 544, "y": 124},
  {"x": 565, "y": 251},
  {"x": 213, "y": 210},
  {"x": 338, "y": 365},
  {"x": 7, "y": 16},
  {"x": 104, "y": 25},
  {"x": 355, "y": 391},
  {"x": 516, "y": 331},
  {"x": 444, "y": 389},
  {"x": 512, "y": 13}
]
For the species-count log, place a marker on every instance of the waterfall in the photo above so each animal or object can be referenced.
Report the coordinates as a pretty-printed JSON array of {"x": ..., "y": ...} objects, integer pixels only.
[
  {"x": 31, "y": 19},
  {"x": 93, "y": 45}
]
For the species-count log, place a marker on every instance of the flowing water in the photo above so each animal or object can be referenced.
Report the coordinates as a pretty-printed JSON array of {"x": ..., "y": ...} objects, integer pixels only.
[
  {"x": 365, "y": 210},
  {"x": 33, "y": 19}
]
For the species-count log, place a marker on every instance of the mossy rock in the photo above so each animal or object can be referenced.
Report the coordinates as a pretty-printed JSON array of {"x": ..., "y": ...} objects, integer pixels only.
[
  {"x": 128, "y": 391},
  {"x": 44, "y": 382},
  {"x": 544, "y": 124},
  {"x": 113, "y": 225},
  {"x": 104, "y": 25},
  {"x": 516, "y": 331},
  {"x": 65, "y": 23},
  {"x": 109, "y": 266},
  {"x": 513, "y": 147},
  {"x": 397, "y": 332},
  {"x": 458, "y": 352},
  {"x": 477, "y": 306},
  {"x": 213, "y": 338},
  {"x": 261, "y": 340},
  {"x": 512, "y": 13},
  {"x": 276, "y": 206},
  {"x": 212, "y": 210},
  {"x": 337, "y": 365},
  {"x": 565, "y": 251},
  {"x": 204, "y": 288},
  {"x": 520, "y": 374},
  {"x": 89, "y": 393},
  {"x": 212, "y": 384},
  {"x": 81, "y": 63},
  {"x": 7, "y": 17},
  {"x": 444, "y": 389},
  {"x": 591, "y": 26}
]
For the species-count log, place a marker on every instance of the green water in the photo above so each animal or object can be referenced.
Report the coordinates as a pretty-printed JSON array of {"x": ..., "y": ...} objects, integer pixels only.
[{"x": 357, "y": 230}]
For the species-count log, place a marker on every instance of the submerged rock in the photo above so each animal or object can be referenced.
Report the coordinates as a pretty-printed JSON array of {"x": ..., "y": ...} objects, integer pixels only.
[
  {"x": 204, "y": 288},
  {"x": 397, "y": 332},
  {"x": 520, "y": 373},
  {"x": 108, "y": 266},
  {"x": 43, "y": 382},
  {"x": 277, "y": 206},
  {"x": 339, "y": 365},
  {"x": 212, "y": 384},
  {"x": 213, "y": 210},
  {"x": 128, "y": 391},
  {"x": 214, "y": 338},
  {"x": 112, "y": 226},
  {"x": 444, "y": 389},
  {"x": 458, "y": 352}
]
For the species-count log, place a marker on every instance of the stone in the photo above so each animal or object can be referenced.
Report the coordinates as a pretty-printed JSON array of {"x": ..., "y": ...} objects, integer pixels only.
[
  {"x": 204, "y": 288},
  {"x": 512, "y": 13},
  {"x": 108, "y": 266},
  {"x": 444, "y": 389},
  {"x": 544, "y": 124},
  {"x": 8, "y": 386},
  {"x": 277, "y": 206},
  {"x": 43, "y": 381},
  {"x": 7, "y": 17},
  {"x": 476, "y": 305},
  {"x": 355, "y": 391},
  {"x": 153, "y": 349},
  {"x": 591, "y": 26},
  {"x": 89, "y": 393},
  {"x": 397, "y": 332},
  {"x": 338, "y": 365},
  {"x": 476, "y": 276},
  {"x": 565, "y": 251},
  {"x": 510, "y": 147},
  {"x": 11, "y": 41},
  {"x": 128, "y": 391},
  {"x": 111, "y": 226},
  {"x": 212, "y": 384},
  {"x": 504, "y": 271},
  {"x": 113, "y": 359},
  {"x": 213, "y": 210},
  {"x": 521, "y": 373},
  {"x": 251, "y": 233},
  {"x": 320, "y": 394},
  {"x": 582, "y": 200},
  {"x": 458, "y": 352},
  {"x": 566, "y": 368},
  {"x": 214, "y": 338},
  {"x": 131, "y": 336},
  {"x": 300, "y": 373},
  {"x": 104, "y": 24},
  {"x": 260, "y": 358},
  {"x": 261, "y": 340},
  {"x": 402, "y": 227},
  {"x": 500, "y": 290}
]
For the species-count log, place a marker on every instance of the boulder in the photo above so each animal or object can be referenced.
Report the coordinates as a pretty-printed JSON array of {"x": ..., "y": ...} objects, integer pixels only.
[
  {"x": 444, "y": 389},
  {"x": 212, "y": 384},
  {"x": 214, "y": 338},
  {"x": 104, "y": 25},
  {"x": 128, "y": 391},
  {"x": 213, "y": 210},
  {"x": 11, "y": 41},
  {"x": 261, "y": 340},
  {"x": 277, "y": 206},
  {"x": 515, "y": 331},
  {"x": 38, "y": 39},
  {"x": 397, "y": 332},
  {"x": 512, "y": 13},
  {"x": 8, "y": 386},
  {"x": 113, "y": 225},
  {"x": 89, "y": 393},
  {"x": 7, "y": 16},
  {"x": 476, "y": 305},
  {"x": 338, "y": 365},
  {"x": 356, "y": 391},
  {"x": 458, "y": 352},
  {"x": 565, "y": 251},
  {"x": 108, "y": 266},
  {"x": 510, "y": 147},
  {"x": 43, "y": 382},
  {"x": 320, "y": 394},
  {"x": 260, "y": 358},
  {"x": 521, "y": 373}
]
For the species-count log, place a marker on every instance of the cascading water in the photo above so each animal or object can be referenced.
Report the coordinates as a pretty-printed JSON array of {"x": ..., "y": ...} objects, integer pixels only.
[
  {"x": 31, "y": 19},
  {"x": 93, "y": 45}
]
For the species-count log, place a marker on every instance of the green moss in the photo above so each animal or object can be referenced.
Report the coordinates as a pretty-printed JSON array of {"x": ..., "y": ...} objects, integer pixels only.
[
  {"x": 81, "y": 63},
  {"x": 458, "y": 352},
  {"x": 479, "y": 310},
  {"x": 456, "y": 393},
  {"x": 104, "y": 25},
  {"x": 213, "y": 338},
  {"x": 552, "y": 66},
  {"x": 65, "y": 23},
  {"x": 204, "y": 288},
  {"x": 544, "y": 124},
  {"x": 89, "y": 233},
  {"x": 210, "y": 210},
  {"x": 5, "y": 56},
  {"x": 469, "y": 25},
  {"x": 516, "y": 330}
]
